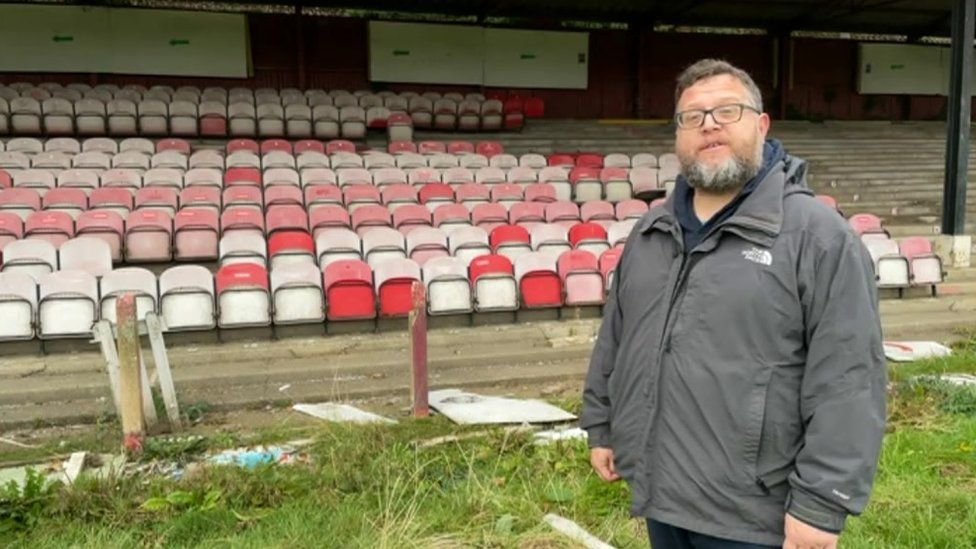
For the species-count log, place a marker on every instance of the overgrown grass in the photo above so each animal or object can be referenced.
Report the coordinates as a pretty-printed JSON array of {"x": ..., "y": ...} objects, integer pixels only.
[{"x": 374, "y": 487}]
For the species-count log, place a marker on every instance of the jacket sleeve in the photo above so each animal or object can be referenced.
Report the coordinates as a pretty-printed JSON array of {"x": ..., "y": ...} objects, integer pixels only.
[
  {"x": 842, "y": 400},
  {"x": 595, "y": 417}
]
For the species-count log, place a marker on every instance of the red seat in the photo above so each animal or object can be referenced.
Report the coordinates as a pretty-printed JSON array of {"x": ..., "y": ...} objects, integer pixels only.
[
  {"x": 320, "y": 195},
  {"x": 196, "y": 234},
  {"x": 238, "y": 218},
  {"x": 173, "y": 144},
  {"x": 581, "y": 278},
  {"x": 460, "y": 147},
  {"x": 411, "y": 216},
  {"x": 356, "y": 196},
  {"x": 507, "y": 193},
  {"x": 349, "y": 290},
  {"x": 286, "y": 218},
  {"x": 235, "y": 145},
  {"x": 448, "y": 215},
  {"x": 53, "y": 226},
  {"x": 561, "y": 159},
  {"x": 340, "y": 145},
  {"x": 244, "y": 196},
  {"x": 608, "y": 264},
  {"x": 630, "y": 209},
  {"x": 397, "y": 194},
  {"x": 563, "y": 213},
  {"x": 503, "y": 235},
  {"x": 201, "y": 197},
  {"x": 11, "y": 228},
  {"x": 309, "y": 145},
  {"x": 539, "y": 283},
  {"x": 369, "y": 216},
  {"x": 242, "y": 176},
  {"x": 514, "y": 114},
  {"x": 71, "y": 200},
  {"x": 104, "y": 225},
  {"x": 534, "y": 107},
  {"x": 269, "y": 145},
  {"x": 148, "y": 236},
  {"x": 289, "y": 244},
  {"x": 590, "y": 160},
  {"x": 394, "y": 281},
  {"x": 5, "y": 180},
  {"x": 111, "y": 198},
  {"x": 430, "y": 147},
  {"x": 161, "y": 198},
  {"x": 21, "y": 201},
  {"x": 238, "y": 276},
  {"x": 588, "y": 236},
  {"x": 433, "y": 195},
  {"x": 540, "y": 192},
  {"x": 489, "y": 149},
  {"x": 283, "y": 195},
  {"x": 527, "y": 214},
  {"x": 471, "y": 194},
  {"x": 489, "y": 216},
  {"x": 600, "y": 211}
]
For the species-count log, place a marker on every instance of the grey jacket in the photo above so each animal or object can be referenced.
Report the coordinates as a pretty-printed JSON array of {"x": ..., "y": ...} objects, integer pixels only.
[{"x": 747, "y": 378}]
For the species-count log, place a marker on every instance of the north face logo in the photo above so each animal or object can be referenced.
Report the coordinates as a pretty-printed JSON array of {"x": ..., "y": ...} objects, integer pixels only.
[{"x": 762, "y": 257}]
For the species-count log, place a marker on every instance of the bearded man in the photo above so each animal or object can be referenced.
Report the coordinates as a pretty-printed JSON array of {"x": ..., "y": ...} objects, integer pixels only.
[{"x": 738, "y": 380}]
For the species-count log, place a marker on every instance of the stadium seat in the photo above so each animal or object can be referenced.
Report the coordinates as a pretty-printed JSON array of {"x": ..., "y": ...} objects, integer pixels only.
[
  {"x": 242, "y": 247},
  {"x": 67, "y": 145},
  {"x": 122, "y": 117},
  {"x": 370, "y": 216},
  {"x": 322, "y": 194},
  {"x": 581, "y": 278},
  {"x": 492, "y": 112},
  {"x": 206, "y": 159},
  {"x": 335, "y": 244},
  {"x": 309, "y": 145},
  {"x": 473, "y": 161},
  {"x": 25, "y": 116},
  {"x": 183, "y": 117},
  {"x": 394, "y": 281},
  {"x": 243, "y": 297},
  {"x": 538, "y": 280},
  {"x": 381, "y": 244},
  {"x": 422, "y": 112},
  {"x": 433, "y": 195},
  {"x": 196, "y": 234},
  {"x": 325, "y": 122},
  {"x": 243, "y": 197},
  {"x": 430, "y": 147},
  {"x": 4, "y": 116},
  {"x": 510, "y": 241},
  {"x": 410, "y": 216},
  {"x": 629, "y": 209},
  {"x": 425, "y": 244},
  {"x": 53, "y": 161},
  {"x": 514, "y": 115},
  {"x": 892, "y": 269},
  {"x": 277, "y": 159},
  {"x": 107, "y": 226},
  {"x": 213, "y": 119},
  {"x": 618, "y": 232},
  {"x": 186, "y": 298},
  {"x": 448, "y": 288},
  {"x": 161, "y": 199},
  {"x": 399, "y": 126},
  {"x": 472, "y": 194},
  {"x": 59, "y": 116},
  {"x": 298, "y": 121},
  {"x": 562, "y": 212},
  {"x": 297, "y": 294},
  {"x": 153, "y": 117},
  {"x": 608, "y": 265},
  {"x": 330, "y": 216},
  {"x": 71, "y": 201},
  {"x": 925, "y": 266},
  {"x": 643, "y": 160},
  {"x": 39, "y": 180},
  {"x": 173, "y": 160},
  {"x": 27, "y": 145},
  {"x": 352, "y": 121},
  {"x": 242, "y": 176},
  {"x": 591, "y": 237},
  {"x": 86, "y": 253},
  {"x": 459, "y": 148},
  {"x": 32, "y": 257},
  {"x": 616, "y": 184},
  {"x": 494, "y": 285},
  {"x": 11, "y": 228},
  {"x": 558, "y": 177},
  {"x": 586, "y": 184},
  {"x": 288, "y": 248},
  {"x": 534, "y": 107},
  {"x": 68, "y": 304},
  {"x": 283, "y": 195},
  {"x": 540, "y": 192},
  {"x": 196, "y": 197},
  {"x": 644, "y": 182},
  {"x": 616, "y": 160},
  {"x": 602, "y": 212},
  {"x": 468, "y": 243},
  {"x": 52, "y": 226},
  {"x": 148, "y": 236},
  {"x": 868, "y": 226},
  {"x": 270, "y": 119},
  {"x": 131, "y": 160},
  {"x": 349, "y": 290},
  {"x": 242, "y": 160},
  {"x": 397, "y": 194},
  {"x": 448, "y": 217},
  {"x": 18, "y": 305},
  {"x": 527, "y": 214},
  {"x": 550, "y": 238},
  {"x": 138, "y": 281},
  {"x": 14, "y": 160},
  {"x": 241, "y": 119},
  {"x": 21, "y": 202},
  {"x": 507, "y": 194},
  {"x": 488, "y": 216},
  {"x": 80, "y": 180}
]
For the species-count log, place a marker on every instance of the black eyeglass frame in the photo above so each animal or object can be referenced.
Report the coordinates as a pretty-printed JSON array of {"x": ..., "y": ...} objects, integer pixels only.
[{"x": 706, "y": 112}]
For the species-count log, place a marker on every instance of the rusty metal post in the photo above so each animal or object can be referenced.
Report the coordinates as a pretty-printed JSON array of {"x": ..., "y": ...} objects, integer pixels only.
[
  {"x": 130, "y": 375},
  {"x": 418, "y": 350}
]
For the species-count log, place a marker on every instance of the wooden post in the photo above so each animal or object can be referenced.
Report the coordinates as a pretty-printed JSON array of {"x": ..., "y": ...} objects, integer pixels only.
[
  {"x": 130, "y": 374},
  {"x": 418, "y": 350}
]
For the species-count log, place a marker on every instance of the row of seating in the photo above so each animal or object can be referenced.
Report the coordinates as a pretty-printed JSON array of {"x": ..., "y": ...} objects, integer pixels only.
[
  {"x": 66, "y": 303},
  {"x": 198, "y": 234},
  {"x": 899, "y": 264}
]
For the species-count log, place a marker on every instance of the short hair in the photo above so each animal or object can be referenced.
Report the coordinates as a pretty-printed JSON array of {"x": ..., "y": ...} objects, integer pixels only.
[{"x": 707, "y": 68}]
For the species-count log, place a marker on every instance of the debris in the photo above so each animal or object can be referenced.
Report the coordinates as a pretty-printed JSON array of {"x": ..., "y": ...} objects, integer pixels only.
[
  {"x": 284, "y": 387},
  {"x": 572, "y": 433},
  {"x": 907, "y": 351},
  {"x": 73, "y": 467},
  {"x": 574, "y": 532},
  {"x": 17, "y": 444},
  {"x": 249, "y": 458},
  {"x": 470, "y": 408},
  {"x": 952, "y": 379},
  {"x": 330, "y": 411}
]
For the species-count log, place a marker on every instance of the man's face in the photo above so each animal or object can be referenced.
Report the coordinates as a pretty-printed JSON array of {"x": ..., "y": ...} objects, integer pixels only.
[{"x": 720, "y": 157}]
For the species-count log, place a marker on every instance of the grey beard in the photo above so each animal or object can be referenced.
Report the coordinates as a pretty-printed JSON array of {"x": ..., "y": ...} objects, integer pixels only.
[{"x": 729, "y": 176}]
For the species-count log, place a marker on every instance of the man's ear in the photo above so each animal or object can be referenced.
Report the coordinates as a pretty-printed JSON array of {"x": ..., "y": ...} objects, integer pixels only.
[{"x": 764, "y": 123}]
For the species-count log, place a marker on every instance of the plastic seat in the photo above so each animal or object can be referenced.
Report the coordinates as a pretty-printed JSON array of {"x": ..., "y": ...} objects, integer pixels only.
[
  {"x": 349, "y": 290},
  {"x": 67, "y": 305},
  {"x": 506, "y": 194},
  {"x": 243, "y": 296},
  {"x": 489, "y": 216},
  {"x": 581, "y": 278},
  {"x": 161, "y": 199},
  {"x": 40, "y": 181},
  {"x": 18, "y": 306},
  {"x": 468, "y": 243},
  {"x": 31, "y": 257},
  {"x": 493, "y": 281},
  {"x": 11, "y": 228},
  {"x": 249, "y": 145},
  {"x": 203, "y": 177},
  {"x": 540, "y": 192},
  {"x": 21, "y": 202},
  {"x": 242, "y": 159},
  {"x": 616, "y": 184},
  {"x": 86, "y": 253},
  {"x": 629, "y": 209},
  {"x": 472, "y": 194},
  {"x": 283, "y": 195},
  {"x": 892, "y": 269},
  {"x": 538, "y": 281},
  {"x": 558, "y": 177},
  {"x": 643, "y": 160},
  {"x": 140, "y": 282},
  {"x": 196, "y": 234},
  {"x": 448, "y": 288},
  {"x": 186, "y": 298},
  {"x": 91, "y": 117},
  {"x": 608, "y": 265},
  {"x": 51, "y": 226},
  {"x": 335, "y": 244},
  {"x": 410, "y": 216},
  {"x": 616, "y": 160},
  {"x": 618, "y": 233},
  {"x": 868, "y": 224},
  {"x": 53, "y": 161},
  {"x": 425, "y": 244},
  {"x": 591, "y": 237},
  {"x": 326, "y": 217},
  {"x": 433, "y": 195},
  {"x": 277, "y": 159},
  {"x": 289, "y": 248},
  {"x": 510, "y": 241},
  {"x": 448, "y": 217},
  {"x": 370, "y": 216},
  {"x": 473, "y": 161},
  {"x": 171, "y": 159},
  {"x": 243, "y": 197},
  {"x": 458, "y": 176},
  {"x": 68, "y": 200},
  {"x": 107, "y": 226},
  {"x": 394, "y": 284},
  {"x": 398, "y": 194},
  {"x": 926, "y": 266},
  {"x": 550, "y": 238},
  {"x": 383, "y": 167},
  {"x": 325, "y": 121},
  {"x": 586, "y": 184},
  {"x": 297, "y": 294},
  {"x": 382, "y": 244},
  {"x": 644, "y": 182},
  {"x": 309, "y": 145},
  {"x": 320, "y": 195},
  {"x": 81, "y": 179},
  {"x": 200, "y": 198},
  {"x": 563, "y": 213},
  {"x": 148, "y": 236},
  {"x": 242, "y": 247}
]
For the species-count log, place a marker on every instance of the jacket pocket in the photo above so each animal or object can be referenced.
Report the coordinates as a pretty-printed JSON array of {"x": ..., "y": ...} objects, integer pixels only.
[{"x": 756, "y": 415}]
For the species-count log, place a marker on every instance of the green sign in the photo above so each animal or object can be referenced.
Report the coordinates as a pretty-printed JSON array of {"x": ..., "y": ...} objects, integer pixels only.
[
  {"x": 527, "y": 56},
  {"x": 58, "y": 38},
  {"x": 397, "y": 53},
  {"x": 179, "y": 42},
  {"x": 897, "y": 67}
]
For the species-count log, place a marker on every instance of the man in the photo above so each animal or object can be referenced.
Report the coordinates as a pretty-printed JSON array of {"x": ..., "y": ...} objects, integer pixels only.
[{"x": 738, "y": 381}]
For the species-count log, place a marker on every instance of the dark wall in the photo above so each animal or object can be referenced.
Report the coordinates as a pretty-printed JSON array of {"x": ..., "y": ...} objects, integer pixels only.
[{"x": 333, "y": 54}]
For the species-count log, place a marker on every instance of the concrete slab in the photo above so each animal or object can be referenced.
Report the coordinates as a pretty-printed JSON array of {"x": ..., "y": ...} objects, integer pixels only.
[
  {"x": 536, "y": 315},
  {"x": 299, "y": 331},
  {"x": 259, "y": 333},
  {"x": 493, "y": 319},
  {"x": 473, "y": 409},
  {"x": 384, "y": 325},
  {"x": 350, "y": 327},
  {"x": 343, "y": 413}
]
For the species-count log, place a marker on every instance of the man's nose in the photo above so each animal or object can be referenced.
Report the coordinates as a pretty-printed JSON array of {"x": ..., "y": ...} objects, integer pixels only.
[{"x": 710, "y": 125}]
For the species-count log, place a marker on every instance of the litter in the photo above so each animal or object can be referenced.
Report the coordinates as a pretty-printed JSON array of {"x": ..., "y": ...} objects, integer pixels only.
[
  {"x": 331, "y": 411},
  {"x": 907, "y": 351},
  {"x": 952, "y": 379},
  {"x": 575, "y": 532},
  {"x": 546, "y": 437},
  {"x": 249, "y": 458},
  {"x": 470, "y": 408}
]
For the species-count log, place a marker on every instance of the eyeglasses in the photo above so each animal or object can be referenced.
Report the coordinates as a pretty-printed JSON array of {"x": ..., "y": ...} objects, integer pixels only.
[{"x": 722, "y": 115}]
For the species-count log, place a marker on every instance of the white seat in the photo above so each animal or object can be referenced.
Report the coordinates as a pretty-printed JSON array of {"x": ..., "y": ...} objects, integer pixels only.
[
  {"x": 122, "y": 117},
  {"x": 33, "y": 257},
  {"x": 153, "y": 117},
  {"x": 169, "y": 159},
  {"x": 68, "y": 145},
  {"x": 91, "y": 116},
  {"x": 137, "y": 144},
  {"x": 448, "y": 288},
  {"x": 186, "y": 298},
  {"x": 337, "y": 244},
  {"x": 892, "y": 270},
  {"x": 206, "y": 159},
  {"x": 616, "y": 160},
  {"x": 309, "y": 160},
  {"x": 25, "y": 116},
  {"x": 243, "y": 159},
  {"x": 277, "y": 159},
  {"x": 88, "y": 254},
  {"x": 271, "y": 119},
  {"x": 297, "y": 294},
  {"x": 618, "y": 232},
  {"x": 243, "y": 247},
  {"x": 468, "y": 243},
  {"x": 241, "y": 118},
  {"x": 549, "y": 238},
  {"x": 18, "y": 305},
  {"x": 426, "y": 244},
  {"x": 67, "y": 305},
  {"x": 298, "y": 120},
  {"x": 183, "y": 117},
  {"x": 141, "y": 282},
  {"x": 381, "y": 244}
]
